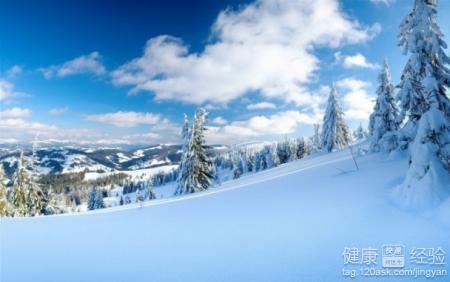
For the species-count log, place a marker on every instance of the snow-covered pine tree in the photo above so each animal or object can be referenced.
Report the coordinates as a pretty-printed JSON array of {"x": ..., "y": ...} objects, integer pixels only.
[
  {"x": 19, "y": 192},
  {"x": 138, "y": 195},
  {"x": 238, "y": 169},
  {"x": 200, "y": 167},
  {"x": 257, "y": 161},
  {"x": 37, "y": 197},
  {"x": 428, "y": 176},
  {"x": 283, "y": 151},
  {"x": 274, "y": 159},
  {"x": 5, "y": 206},
  {"x": 91, "y": 205},
  {"x": 335, "y": 132},
  {"x": 359, "y": 133},
  {"x": 249, "y": 160},
  {"x": 150, "y": 193},
  {"x": 184, "y": 168},
  {"x": 99, "y": 204},
  {"x": 316, "y": 138},
  {"x": 301, "y": 149},
  {"x": 421, "y": 37},
  {"x": 53, "y": 205},
  {"x": 384, "y": 118}
]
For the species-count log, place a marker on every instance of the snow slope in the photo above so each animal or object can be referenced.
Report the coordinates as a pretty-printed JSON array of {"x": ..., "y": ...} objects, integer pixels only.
[{"x": 290, "y": 223}]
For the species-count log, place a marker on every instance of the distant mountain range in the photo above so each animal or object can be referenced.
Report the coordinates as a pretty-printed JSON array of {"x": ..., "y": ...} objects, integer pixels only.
[{"x": 57, "y": 160}]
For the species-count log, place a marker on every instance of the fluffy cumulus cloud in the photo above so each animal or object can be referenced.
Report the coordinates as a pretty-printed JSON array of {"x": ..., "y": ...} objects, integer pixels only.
[
  {"x": 126, "y": 119},
  {"x": 358, "y": 104},
  {"x": 355, "y": 61},
  {"x": 15, "y": 112},
  {"x": 266, "y": 46},
  {"x": 260, "y": 126},
  {"x": 90, "y": 64},
  {"x": 261, "y": 106}
]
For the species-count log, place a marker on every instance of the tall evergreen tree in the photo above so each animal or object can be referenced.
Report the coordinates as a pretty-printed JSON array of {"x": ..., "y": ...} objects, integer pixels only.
[
  {"x": 183, "y": 170},
  {"x": 37, "y": 197},
  {"x": 138, "y": 195},
  {"x": 316, "y": 138},
  {"x": 238, "y": 169},
  {"x": 196, "y": 171},
  {"x": 201, "y": 172},
  {"x": 99, "y": 204},
  {"x": 428, "y": 176},
  {"x": 421, "y": 38},
  {"x": 150, "y": 193},
  {"x": 385, "y": 114},
  {"x": 5, "y": 206},
  {"x": 360, "y": 133},
  {"x": 91, "y": 204},
  {"x": 53, "y": 205},
  {"x": 19, "y": 193},
  {"x": 335, "y": 132}
]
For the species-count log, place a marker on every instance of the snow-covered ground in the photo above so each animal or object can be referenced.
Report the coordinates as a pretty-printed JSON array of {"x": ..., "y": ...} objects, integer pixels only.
[{"x": 290, "y": 223}]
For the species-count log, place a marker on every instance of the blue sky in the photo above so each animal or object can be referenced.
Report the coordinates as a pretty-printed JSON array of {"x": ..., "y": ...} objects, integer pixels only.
[{"x": 126, "y": 72}]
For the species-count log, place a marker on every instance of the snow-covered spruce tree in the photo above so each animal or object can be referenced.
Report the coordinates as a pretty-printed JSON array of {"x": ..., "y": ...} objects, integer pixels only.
[
  {"x": 360, "y": 133},
  {"x": 428, "y": 176},
  {"x": 301, "y": 149},
  {"x": 199, "y": 166},
  {"x": 19, "y": 194},
  {"x": 266, "y": 158},
  {"x": 91, "y": 205},
  {"x": 37, "y": 197},
  {"x": 183, "y": 169},
  {"x": 99, "y": 204},
  {"x": 53, "y": 204},
  {"x": 138, "y": 195},
  {"x": 238, "y": 168},
  {"x": 421, "y": 37},
  {"x": 384, "y": 118},
  {"x": 274, "y": 159},
  {"x": 283, "y": 151},
  {"x": 335, "y": 132},
  {"x": 316, "y": 138},
  {"x": 150, "y": 193},
  {"x": 5, "y": 206}
]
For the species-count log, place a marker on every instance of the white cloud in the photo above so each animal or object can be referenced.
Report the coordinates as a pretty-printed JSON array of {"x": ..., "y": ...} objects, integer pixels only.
[
  {"x": 385, "y": 2},
  {"x": 261, "y": 106},
  {"x": 125, "y": 119},
  {"x": 356, "y": 61},
  {"x": 260, "y": 126},
  {"x": 267, "y": 46},
  {"x": 24, "y": 130},
  {"x": 15, "y": 113},
  {"x": 22, "y": 124},
  {"x": 358, "y": 104},
  {"x": 57, "y": 111},
  {"x": 7, "y": 91},
  {"x": 219, "y": 120},
  {"x": 91, "y": 63},
  {"x": 14, "y": 71}
]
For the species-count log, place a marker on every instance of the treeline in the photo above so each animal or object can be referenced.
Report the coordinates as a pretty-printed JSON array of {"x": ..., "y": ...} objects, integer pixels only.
[{"x": 254, "y": 158}]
